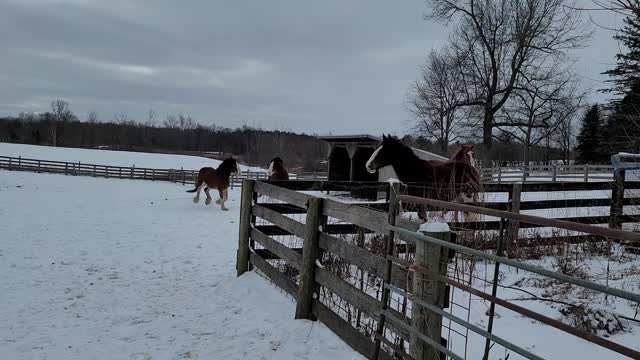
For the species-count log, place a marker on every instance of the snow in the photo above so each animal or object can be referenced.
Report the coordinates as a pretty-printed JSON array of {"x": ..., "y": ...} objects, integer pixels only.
[
  {"x": 116, "y": 269},
  {"x": 434, "y": 227},
  {"x": 543, "y": 340},
  {"x": 109, "y": 157}
]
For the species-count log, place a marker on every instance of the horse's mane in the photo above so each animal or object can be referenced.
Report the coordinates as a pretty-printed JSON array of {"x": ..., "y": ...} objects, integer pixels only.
[
  {"x": 227, "y": 165},
  {"x": 400, "y": 150}
]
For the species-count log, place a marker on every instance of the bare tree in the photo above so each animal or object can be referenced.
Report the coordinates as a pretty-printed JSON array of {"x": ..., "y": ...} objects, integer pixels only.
[
  {"x": 92, "y": 117},
  {"x": 186, "y": 122},
  {"x": 151, "y": 118},
  {"x": 171, "y": 122},
  {"x": 498, "y": 40},
  {"x": 565, "y": 138},
  {"x": 59, "y": 112},
  {"x": 434, "y": 98},
  {"x": 539, "y": 106},
  {"x": 122, "y": 118}
]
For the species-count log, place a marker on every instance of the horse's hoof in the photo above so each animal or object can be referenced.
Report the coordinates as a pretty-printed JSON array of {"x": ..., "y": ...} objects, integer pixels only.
[
  {"x": 208, "y": 201},
  {"x": 195, "y": 200},
  {"x": 224, "y": 209},
  {"x": 218, "y": 201}
]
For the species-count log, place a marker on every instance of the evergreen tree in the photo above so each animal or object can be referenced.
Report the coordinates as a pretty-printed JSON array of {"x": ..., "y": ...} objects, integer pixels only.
[
  {"x": 589, "y": 147},
  {"x": 622, "y": 132},
  {"x": 626, "y": 74}
]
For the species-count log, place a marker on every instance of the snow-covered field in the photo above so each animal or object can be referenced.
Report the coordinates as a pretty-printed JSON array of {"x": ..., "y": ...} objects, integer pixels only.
[
  {"x": 109, "y": 157},
  {"x": 117, "y": 269}
]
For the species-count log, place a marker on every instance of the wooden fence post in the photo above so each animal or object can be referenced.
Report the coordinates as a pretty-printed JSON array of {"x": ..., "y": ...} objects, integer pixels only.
[
  {"x": 144, "y": 174},
  {"x": 184, "y": 180},
  {"x": 38, "y": 166},
  {"x": 394, "y": 191},
  {"x": 94, "y": 171},
  {"x": 153, "y": 174},
  {"x": 310, "y": 253},
  {"x": 246, "y": 201},
  {"x": 586, "y": 173},
  {"x": 524, "y": 173},
  {"x": 494, "y": 288},
  {"x": 19, "y": 162},
  {"x": 514, "y": 225},
  {"x": 554, "y": 175},
  {"x": 429, "y": 257},
  {"x": 499, "y": 174},
  {"x": 78, "y": 169},
  {"x": 617, "y": 200},
  {"x": 132, "y": 170}
]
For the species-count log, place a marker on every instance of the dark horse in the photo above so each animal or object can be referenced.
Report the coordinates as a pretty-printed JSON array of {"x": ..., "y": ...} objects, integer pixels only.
[
  {"x": 277, "y": 171},
  {"x": 215, "y": 178},
  {"x": 444, "y": 180}
]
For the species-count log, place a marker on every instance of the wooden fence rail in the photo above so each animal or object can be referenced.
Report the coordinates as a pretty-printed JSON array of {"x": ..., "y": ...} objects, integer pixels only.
[
  {"x": 314, "y": 282},
  {"x": 546, "y": 173},
  {"x": 183, "y": 176}
]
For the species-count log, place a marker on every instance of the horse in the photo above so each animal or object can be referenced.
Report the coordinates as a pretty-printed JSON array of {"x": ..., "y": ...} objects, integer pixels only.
[
  {"x": 209, "y": 177},
  {"x": 464, "y": 154},
  {"x": 277, "y": 171},
  {"x": 451, "y": 180}
]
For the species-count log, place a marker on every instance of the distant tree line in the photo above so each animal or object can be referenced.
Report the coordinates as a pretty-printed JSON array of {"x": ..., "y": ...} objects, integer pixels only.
[{"x": 179, "y": 133}]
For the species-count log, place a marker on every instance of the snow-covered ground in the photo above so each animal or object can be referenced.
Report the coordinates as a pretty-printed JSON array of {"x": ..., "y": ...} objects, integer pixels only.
[
  {"x": 109, "y": 157},
  {"x": 117, "y": 269}
]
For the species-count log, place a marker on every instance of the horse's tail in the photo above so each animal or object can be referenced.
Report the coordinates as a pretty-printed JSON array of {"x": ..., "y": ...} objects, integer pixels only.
[{"x": 199, "y": 181}]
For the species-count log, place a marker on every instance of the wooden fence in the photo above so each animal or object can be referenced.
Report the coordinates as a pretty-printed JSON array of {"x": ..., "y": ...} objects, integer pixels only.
[
  {"x": 546, "y": 173},
  {"x": 184, "y": 176},
  {"x": 295, "y": 240}
]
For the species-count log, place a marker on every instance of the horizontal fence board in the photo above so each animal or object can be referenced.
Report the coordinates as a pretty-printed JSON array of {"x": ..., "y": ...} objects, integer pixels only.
[
  {"x": 290, "y": 225},
  {"x": 272, "y": 230},
  {"x": 268, "y": 255},
  {"x": 363, "y": 259},
  {"x": 348, "y": 292},
  {"x": 276, "y": 276},
  {"x": 282, "y": 194},
  {"x": 284, "y": 208},
  {"x": 350, "y": 335},
  {"x": 281, "y": 250},
  {"x": 355, "y": 214}
]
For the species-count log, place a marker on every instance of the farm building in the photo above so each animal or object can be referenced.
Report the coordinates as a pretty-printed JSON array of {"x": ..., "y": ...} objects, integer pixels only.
[{"x": 348, "y": 155}]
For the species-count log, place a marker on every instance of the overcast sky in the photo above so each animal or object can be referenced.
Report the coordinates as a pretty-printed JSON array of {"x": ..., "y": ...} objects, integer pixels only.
[{"x": 314, "y": 66}]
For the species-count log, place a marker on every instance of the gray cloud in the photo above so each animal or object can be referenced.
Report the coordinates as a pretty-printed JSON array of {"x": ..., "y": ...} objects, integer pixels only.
[{"x": 307, "y": 66}]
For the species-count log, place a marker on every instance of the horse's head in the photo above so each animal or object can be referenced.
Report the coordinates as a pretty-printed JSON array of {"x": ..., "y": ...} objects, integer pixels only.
[
  {"x": 390, "y": 150},
  {"x": 276, "y": 162},
  {"x": 231, "y": 164}
]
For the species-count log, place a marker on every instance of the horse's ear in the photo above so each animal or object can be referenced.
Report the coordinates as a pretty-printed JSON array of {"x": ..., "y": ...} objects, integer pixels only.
[{"x": 384, "y": 137}]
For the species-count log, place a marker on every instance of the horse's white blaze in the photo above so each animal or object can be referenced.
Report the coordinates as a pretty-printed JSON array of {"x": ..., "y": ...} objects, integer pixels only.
[
  {"x": 372, "y": 159},
  {"x": 472, "y": 160},
  {"x": 270, "y": 169}
]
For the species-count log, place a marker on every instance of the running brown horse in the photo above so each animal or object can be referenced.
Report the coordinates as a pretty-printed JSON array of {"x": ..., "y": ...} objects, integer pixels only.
[
  {"x": 449, "y": 180},
  {"x": 209, "y": 178},
  {"x": 277, "y": 171}
]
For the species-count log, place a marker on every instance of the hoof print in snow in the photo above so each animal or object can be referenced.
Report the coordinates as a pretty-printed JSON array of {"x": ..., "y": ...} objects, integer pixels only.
[{"x": 140, "y": 356}]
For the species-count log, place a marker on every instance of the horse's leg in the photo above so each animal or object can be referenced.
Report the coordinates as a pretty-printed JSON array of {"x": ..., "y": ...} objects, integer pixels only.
[
  {"x": 221, "y": 195},
  {"x": 224, "y": 195},
  {"x": 422, "y": 213},
  {"x": 196, "y": 198},
  {"x": 206, "y": 191}
]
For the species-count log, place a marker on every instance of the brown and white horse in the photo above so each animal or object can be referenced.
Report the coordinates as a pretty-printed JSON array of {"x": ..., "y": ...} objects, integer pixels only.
[
  {"x": 443, "y": 180},
  {"x": 277, "y": 171},
  {"x": 209, "y": 177}
]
